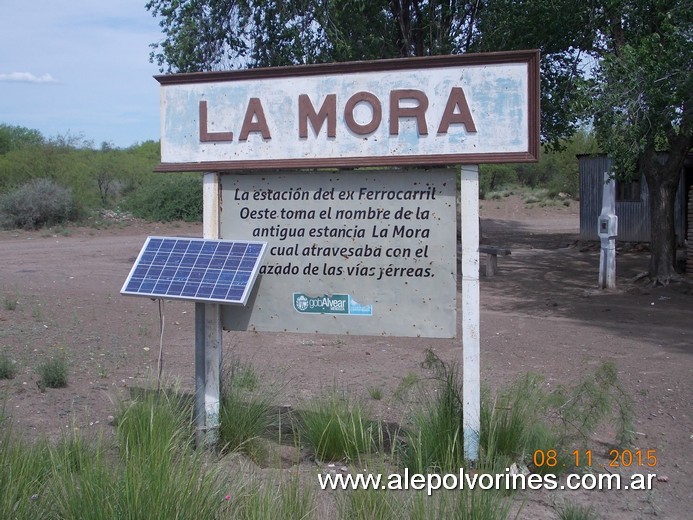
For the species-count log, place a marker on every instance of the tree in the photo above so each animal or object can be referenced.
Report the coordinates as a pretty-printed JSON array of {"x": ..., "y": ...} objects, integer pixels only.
[
  {"x": 16, "y": 137},
  {"x": 644, "y": 105},
  {"x": 204, "y": 35},
  {"x": 105, "y": 172},
  {"x": 625, "y": 64}
]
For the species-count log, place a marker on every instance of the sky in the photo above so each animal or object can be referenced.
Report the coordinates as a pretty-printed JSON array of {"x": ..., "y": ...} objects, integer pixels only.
[{"x": 80, "y": 68}]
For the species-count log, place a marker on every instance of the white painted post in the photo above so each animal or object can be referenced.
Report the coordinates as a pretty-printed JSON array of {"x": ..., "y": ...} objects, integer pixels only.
[
  {"x": 471, "y": 379},
  {"x": 607, "y": 231},
  {"x": 210, "y": 327}
]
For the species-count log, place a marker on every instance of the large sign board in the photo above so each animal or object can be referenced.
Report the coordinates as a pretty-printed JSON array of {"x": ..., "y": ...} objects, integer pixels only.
[
  {"x": 422, "y": 111},
  {"x": 370, "y": 252}
]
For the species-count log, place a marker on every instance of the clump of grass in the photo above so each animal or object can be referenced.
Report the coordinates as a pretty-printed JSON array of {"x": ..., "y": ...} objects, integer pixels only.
[
  {"x": 436, "y": 441},
  {"x": 276, "y": 498},
  {"x": 245, "y": 377},
  {"x": 152, "y": 419},
  {"x": 8, "y": 368},
  {"x": 571, "y": 511},
  {"x": 245, "y": 410},
  {"x": 10, "y": 302},
  {"x": 371, "y": 504},
  {"x": 25, "y": 472},
  {"x": 53, "y": 372},
  {"x": 375, "y": 393},
  {"x": 515, "y": 423},
  {"x": 336, "y": 427},
  {"x": 596, "y": 398},
  {"x": 157, "y": 473},
  {"x": 405, "y": 385},
  {"x": 519, "y": 419},
  {"x": 478, "y": 504}
]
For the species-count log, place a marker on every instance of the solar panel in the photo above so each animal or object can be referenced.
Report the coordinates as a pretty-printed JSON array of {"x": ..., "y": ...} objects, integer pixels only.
[{"x": 220, "y": 271}]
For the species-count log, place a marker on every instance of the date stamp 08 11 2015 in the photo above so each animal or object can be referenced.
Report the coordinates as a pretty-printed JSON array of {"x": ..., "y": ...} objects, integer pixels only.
[{"x": 583, "y": 458}]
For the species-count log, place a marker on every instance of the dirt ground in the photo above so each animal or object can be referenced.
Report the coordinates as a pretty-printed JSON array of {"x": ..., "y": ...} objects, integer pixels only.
[{"x": 542, "y": 313}]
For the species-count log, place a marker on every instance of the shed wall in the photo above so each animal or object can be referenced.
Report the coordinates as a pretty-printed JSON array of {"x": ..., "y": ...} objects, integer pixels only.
[{"x": 633, "y": 216}]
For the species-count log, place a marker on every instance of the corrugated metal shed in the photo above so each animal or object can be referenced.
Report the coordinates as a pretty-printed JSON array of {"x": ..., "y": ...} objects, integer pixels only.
[{"x": 633, "y": 214}]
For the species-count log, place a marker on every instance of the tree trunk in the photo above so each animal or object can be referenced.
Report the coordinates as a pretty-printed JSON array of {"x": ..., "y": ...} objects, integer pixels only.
[{"x": 662, "y": 183}]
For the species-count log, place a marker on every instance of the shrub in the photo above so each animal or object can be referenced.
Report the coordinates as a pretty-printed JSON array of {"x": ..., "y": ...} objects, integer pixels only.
[
  {"x": 39, "y": 202},
  {"x": 53, "y": 372},
  {"x": 167, "y": 198},
  {"x": 7, "y": 367},
  {"x": 492, "y": 177}
]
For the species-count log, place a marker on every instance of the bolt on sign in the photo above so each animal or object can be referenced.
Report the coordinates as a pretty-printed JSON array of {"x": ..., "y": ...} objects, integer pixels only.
[{"x": 351, "y": 251}]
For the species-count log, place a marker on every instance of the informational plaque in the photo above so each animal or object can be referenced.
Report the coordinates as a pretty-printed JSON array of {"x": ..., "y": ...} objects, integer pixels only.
[{"x": 354, "y": 252}]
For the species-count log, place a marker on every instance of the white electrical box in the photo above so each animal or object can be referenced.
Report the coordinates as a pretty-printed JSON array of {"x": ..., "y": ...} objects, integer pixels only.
[{"x": 608, "y": 226}]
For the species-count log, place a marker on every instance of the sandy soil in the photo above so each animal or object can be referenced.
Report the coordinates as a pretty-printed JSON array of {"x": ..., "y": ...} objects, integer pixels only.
[{"x": 541, "y": 313}]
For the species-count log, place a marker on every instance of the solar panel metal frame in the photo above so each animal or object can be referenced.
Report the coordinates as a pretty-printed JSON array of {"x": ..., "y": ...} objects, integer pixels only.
[{"x": 196, "y": 269}]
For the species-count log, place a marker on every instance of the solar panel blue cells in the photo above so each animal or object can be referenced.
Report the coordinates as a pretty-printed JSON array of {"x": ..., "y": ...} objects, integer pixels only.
[{"x": 220, "y": 271}]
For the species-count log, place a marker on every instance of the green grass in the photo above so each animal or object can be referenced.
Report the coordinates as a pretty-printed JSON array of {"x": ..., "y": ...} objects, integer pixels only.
[
  {"x": 151, "y": 465},
  {"x": 10, "y": 302},
  {"x": 245, "y": 410},
  {"x": 464, "y": 504},
  {"x": 375, "y": 393},
  {"x": 336, "y": 427},
  {"x": 8, "y": 368},
  {"x": 571, "y": 511},
  {"x": 151, "y": 420},
  {"x": 514, "y": 423},
  {"x": 25, "y": 474},
  {"x": 435, "y": 443},
  {"x": 371, "y": 504},
  {"x": 53, "y": 372},
  {"x": 276, "y": 498},
  {"x": 404, "y": 387},
  {"x": 153, "y": 470},
  {"x": 519, "y": 419}
]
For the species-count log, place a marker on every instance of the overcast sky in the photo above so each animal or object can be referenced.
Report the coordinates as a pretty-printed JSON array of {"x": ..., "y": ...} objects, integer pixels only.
[{"x": 80, "y": 67}]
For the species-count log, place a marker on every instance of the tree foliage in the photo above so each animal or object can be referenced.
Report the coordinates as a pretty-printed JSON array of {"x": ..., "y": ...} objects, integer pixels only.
[
  {"x": 95, "y": 178},
  {"x": 204, "y": 35},
  {"x": 560, "y": 29},
  {"x": 644, "y": 105},
  {"x": 16, "y": 137}
]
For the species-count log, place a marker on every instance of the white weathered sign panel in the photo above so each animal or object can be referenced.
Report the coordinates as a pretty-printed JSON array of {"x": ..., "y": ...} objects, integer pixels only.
[
  {"x": 439, "y": 110},
  {"x": 348, "y": 252}
]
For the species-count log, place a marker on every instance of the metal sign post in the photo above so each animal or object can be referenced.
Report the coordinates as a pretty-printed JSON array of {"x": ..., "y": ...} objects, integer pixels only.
[
  {"x": 469, "y": 266},
  {"x": 208, "y": 333}
]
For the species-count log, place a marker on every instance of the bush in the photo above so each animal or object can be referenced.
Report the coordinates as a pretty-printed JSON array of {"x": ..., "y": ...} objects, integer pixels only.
[
  {"x": 493, "y": 177},
  {"x": 166, "y": 198},
  {"x": 7, "y": 367},
  {"x": 39, "y": 202},
  {"x": 53, "y": 372}
]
